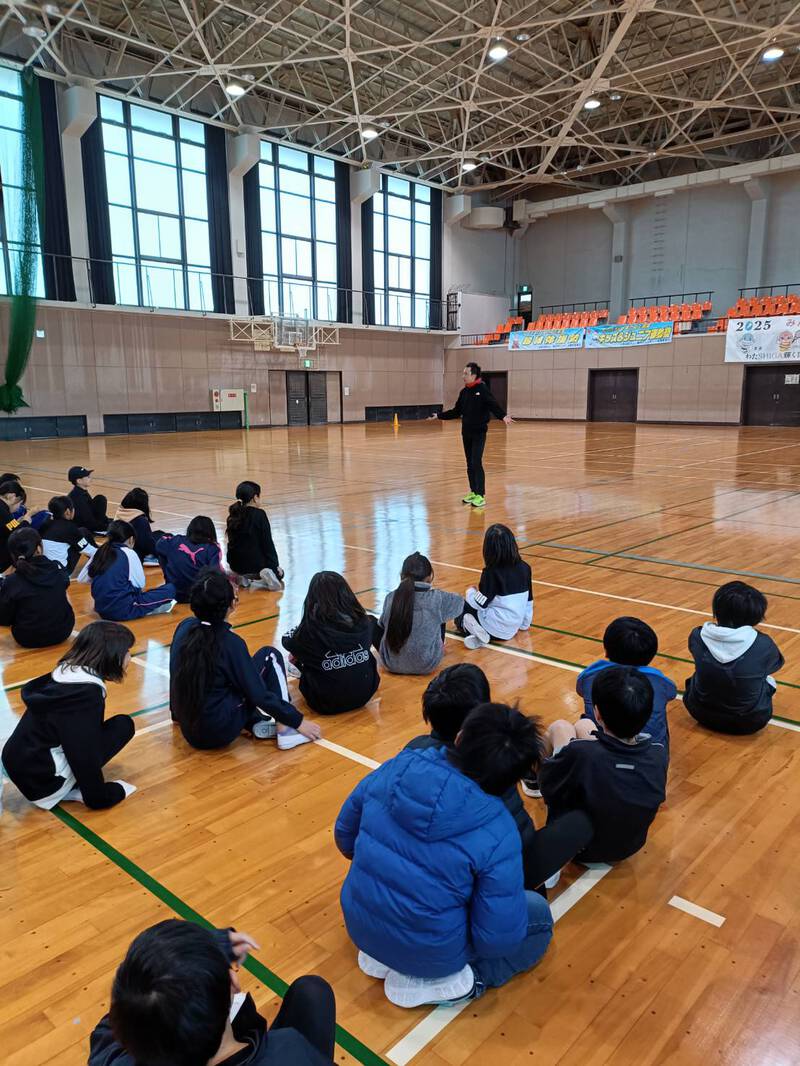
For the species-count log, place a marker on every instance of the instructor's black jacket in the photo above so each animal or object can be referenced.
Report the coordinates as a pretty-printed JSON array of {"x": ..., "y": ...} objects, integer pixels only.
[{"x": 475, "y": 406}]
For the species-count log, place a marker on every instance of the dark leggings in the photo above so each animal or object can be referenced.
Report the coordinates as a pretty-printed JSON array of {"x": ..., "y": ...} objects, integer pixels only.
[
  {"x": 474, "y": 443},
  {"x": 310, "y": 1009},
  {"x": 99, "y": 506},
  {"x": 554, "y": 846}
]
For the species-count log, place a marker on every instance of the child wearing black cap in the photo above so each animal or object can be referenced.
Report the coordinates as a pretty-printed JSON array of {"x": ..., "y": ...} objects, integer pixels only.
[{"x": 90, "y": 511}]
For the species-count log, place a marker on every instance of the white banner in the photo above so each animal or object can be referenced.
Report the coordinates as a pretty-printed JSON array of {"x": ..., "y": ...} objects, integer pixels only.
[{"x": 763, "y": 340}]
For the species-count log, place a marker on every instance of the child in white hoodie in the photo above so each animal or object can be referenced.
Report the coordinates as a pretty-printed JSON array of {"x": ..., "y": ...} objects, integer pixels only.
[{"x": 731, "y": 690}]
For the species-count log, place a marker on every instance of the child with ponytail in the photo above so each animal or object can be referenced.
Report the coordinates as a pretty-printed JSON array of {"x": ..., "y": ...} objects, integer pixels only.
[
  {"x": 63, "y": 739},
  {"x": 217, "y": 690},
  {"x": 135, "y": 509},
  {"x": 33, "y": 600},
  {"x": 413, "y": 619},
  {"x": 118, "y": 581},
  {"x": 251, "y": 552},
  {"x": 183, "y": 557},
  {"x": 62, "y": 538}
]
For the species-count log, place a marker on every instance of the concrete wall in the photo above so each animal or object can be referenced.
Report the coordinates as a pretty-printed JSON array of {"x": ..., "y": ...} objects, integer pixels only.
[
  {"x": 685, "y": 242},
  {"x": 94, "y": 362},
  {"x": 684, "y": 381}
]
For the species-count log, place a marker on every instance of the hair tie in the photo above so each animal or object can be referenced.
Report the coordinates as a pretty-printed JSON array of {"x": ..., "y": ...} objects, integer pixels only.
[{"x": 205, "y": 623}]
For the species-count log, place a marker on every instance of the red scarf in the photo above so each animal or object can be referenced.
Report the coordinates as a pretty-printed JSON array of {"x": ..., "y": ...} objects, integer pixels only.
[{"x": 473, "y": 384}]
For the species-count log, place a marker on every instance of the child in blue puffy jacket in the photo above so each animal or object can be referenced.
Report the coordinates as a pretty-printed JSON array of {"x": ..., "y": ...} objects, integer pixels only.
[{"x": 435, "y": 938}]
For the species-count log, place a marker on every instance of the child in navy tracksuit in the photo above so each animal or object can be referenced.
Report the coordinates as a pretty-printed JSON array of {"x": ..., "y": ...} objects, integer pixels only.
[
  {"x": 217, "y": 689},
  {"x": 252, "y": 555},
  {"x": 732, "y": 687},
  {"x": 118, "y": 581},
  {"x": 183, "y": 557},
  {"x": 62, "y": 538},
  {"x": 631, "y": 642},
  {"x": 135, "y": 510},
  {"x": 502, "y": 604}
]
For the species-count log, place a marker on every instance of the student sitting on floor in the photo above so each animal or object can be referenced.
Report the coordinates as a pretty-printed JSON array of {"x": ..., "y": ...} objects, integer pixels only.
[
  {"x": 731, "y": 689},
  {"x": 610, "y": 770},
  {"x": 62, "y": 742},
  {"x": 12, "y": 495},
  {"x": 176, "y": 1000},
  {"x": 446, "y": 702},
  {"x": 33, "y": 600},
  {"x": 183, "y": 557},
  {"x": 330, "y": 650},
  {"x": 413, "y": 620},
  {"x": 118, "y": 581},
  {"x": 15, "y": 497},
  {"x": 217, "y": 689},
  {"x": 434, "y": 898},
  {"x": 631, "y": 642},
  {"x": 62, "y": 538},
  {"x": 90, "y": 511},
  {"x": 135, "y": 510},
  {"x": 252, "y": 555},
  {"x": 502, "y": 604}
]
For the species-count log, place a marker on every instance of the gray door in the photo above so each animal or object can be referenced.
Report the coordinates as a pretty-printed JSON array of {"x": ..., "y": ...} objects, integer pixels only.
[
  {"x": 296, "y": 398},
  {"x": 772, "y": 395},
  {"x": 317, "y": 398}
]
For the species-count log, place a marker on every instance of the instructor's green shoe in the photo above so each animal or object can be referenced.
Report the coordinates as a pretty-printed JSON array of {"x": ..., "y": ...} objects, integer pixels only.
[
  {"x": 478, "y": 501},
  {"x": 469, "y": 498}
]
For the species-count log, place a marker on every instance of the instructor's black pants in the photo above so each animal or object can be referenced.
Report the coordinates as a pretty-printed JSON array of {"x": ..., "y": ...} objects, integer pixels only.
[{"x": 474, "y": 443}]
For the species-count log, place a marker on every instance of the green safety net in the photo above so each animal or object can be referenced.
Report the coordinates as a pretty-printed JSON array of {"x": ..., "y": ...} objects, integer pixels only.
[{"x": 24, "y": 260}]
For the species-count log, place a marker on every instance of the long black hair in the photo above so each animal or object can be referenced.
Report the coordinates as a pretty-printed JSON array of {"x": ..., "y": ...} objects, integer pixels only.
[
  {"x": 331, "y": 601},
  {"x": 103, "y": 558},
  {"x": 137, "y": 500},
  {"x": 246, "y": 492},
  {"x": 23, "y": 545},
  {"x": 416, "y": 567},
  {"x": 500, "y": 547},
  {"x": 100, "y": 648},
  {"x": 201, "y": 530},
  {"x": 7, "y": 488},
  {"x": 59, "y": 505},
  {"x": 211, "y": 598}
]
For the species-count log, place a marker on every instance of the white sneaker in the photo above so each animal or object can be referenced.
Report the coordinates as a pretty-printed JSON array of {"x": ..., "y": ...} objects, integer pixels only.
[
  {"x": 265, "y": 728},
  {"x": 473, "y": 643},
  {"x": 475, "y": 629},
  {"x": 551, "y": 882},
  {"x": 165, "y": 608},
  {"x": 405, "y": 991},
  {"x": 73, "y": 796},
  {"x": 243, "y": 582},
  {"x": 371, "y": 967},
  {"x": 150, "y": 560},
  {"x": 290, "y": 738},
  {"x": 271, "y": 580},
  {"x": 292, "y": 670}
]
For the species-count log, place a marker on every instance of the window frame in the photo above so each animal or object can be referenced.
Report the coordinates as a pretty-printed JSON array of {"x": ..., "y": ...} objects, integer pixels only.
[
  {"x": 385, "y": 292},
  {"x": 7, "y": 244}
]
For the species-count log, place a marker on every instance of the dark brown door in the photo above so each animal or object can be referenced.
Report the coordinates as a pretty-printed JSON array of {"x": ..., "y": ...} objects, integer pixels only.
[
  {"x": 296, "y": 398},
  {"x": 498, "y": 386},
  {"x": 613, "y": 395},
  {"x": 772, "y": 395},
  {"x": 317, "y": 398}
]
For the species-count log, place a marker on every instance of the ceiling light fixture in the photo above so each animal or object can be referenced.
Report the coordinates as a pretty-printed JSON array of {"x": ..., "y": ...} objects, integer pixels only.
[
  {"x": 52, "y": 9},
  {"x": 591, "y": 104},
  {"x": 615, "y": 96},
  {"x": 468, "y": 165},
  {"x": 498, "y": 52},
  {"x": 522, "y": 37},
  {"x": 34, "y": 31},
  {"x": 369, "y": 133},
  {"x": 233, "y": 88},
  {"x": 771, "y": 54}
]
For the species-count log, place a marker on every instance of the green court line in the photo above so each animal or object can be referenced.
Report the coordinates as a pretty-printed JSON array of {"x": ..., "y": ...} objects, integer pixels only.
[
  {"x": 148, "y": 710},
  {"x": 671, "y": 562},
  {"x": 349, "y": 1043}
]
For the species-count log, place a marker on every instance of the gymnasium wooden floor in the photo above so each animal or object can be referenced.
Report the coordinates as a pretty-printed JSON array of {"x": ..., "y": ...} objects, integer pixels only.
[{"x": 615, "y": 519}]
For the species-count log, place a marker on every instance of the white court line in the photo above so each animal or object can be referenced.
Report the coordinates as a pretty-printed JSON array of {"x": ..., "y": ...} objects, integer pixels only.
[
  {"x": 348, "y": 754},
  {"x": 440, "y": 1017},
  {"x": 521, "y": 654},
  {"x": 149, "y": 666},
  {"x": 588, "y": 592},
  {"x": 696, "y": 911},
  {"x": 114, "y": 503}
]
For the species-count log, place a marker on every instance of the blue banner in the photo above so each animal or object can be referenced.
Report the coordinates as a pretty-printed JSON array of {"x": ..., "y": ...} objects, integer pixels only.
[
  {"x": 628, "y": 336},
  {"x": 537, "y": 340}
]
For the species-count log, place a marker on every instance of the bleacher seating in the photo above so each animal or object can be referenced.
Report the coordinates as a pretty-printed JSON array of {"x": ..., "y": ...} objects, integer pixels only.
[
  {"x": 682, "y": 316},
  {"x": 502, "y": 331},
  {"x": 570, "y": 319},
  {"x": 759, "y": 307}
]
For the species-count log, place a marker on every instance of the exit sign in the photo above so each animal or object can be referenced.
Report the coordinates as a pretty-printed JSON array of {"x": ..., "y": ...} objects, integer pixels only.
[{"x": 308, "y": 363}]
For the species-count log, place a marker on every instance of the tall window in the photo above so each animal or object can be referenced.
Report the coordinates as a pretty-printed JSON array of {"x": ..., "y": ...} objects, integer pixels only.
[
  {"x": 402, "y": 251},
  {"x": 298, "y": 233},
  {"x": 11, "y": 162},
  {"x": 158, "y": 206}
]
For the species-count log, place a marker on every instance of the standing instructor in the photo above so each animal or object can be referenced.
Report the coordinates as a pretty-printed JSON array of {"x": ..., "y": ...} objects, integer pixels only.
[{"x": 475, "y": 406}]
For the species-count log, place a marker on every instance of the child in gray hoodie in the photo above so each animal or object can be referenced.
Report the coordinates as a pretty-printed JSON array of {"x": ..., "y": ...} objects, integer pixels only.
[
  {"x": 413, "y": 620},
  {"x": 731, "y": 690}
]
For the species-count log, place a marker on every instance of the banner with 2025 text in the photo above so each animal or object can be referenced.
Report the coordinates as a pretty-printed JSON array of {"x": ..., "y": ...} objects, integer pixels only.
[{"x": 763, "y": 340}]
